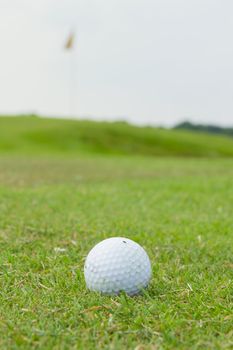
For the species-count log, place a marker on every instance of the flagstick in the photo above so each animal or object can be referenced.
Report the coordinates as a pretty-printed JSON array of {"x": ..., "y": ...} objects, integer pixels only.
[
  {"x": 72, "y": 86},
  {"x": 72, "y": 83}
]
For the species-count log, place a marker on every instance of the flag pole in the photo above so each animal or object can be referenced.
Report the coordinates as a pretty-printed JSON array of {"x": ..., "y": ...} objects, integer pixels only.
[
  {"x": 71, "y": 85},
  {"x": 69, "y": 46}
]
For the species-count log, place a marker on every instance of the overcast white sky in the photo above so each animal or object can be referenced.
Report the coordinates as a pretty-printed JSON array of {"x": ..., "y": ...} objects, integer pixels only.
[{"x": 147, "y": 61}]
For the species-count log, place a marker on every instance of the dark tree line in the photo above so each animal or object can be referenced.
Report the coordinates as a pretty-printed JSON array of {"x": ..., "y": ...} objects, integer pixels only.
[{"x": 213, "y": 129}]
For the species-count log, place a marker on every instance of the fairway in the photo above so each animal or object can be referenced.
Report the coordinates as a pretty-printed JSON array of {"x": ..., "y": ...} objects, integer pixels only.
[
  {"x": 53, "y": 210},
  {"x": 116, "y": 175}
]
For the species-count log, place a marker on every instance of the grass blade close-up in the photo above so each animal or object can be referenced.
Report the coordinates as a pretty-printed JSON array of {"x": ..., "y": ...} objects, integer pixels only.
[{"x": 67, "y": 185}]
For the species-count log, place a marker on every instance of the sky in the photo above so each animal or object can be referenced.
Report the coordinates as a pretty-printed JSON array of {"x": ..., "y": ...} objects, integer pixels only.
[{"x": 154, "y": 62}]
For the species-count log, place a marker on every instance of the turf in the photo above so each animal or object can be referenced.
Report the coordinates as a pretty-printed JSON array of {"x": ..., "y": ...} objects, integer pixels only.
[
  {"x": 33, "y": 135},
  {"x": 53, "y": 209}
]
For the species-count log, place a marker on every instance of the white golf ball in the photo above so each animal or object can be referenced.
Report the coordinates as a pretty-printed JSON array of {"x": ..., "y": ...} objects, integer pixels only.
[{"x": 117, "y": 264}]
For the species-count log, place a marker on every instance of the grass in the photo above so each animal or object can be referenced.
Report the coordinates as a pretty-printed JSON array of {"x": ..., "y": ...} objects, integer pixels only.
[
  {"x": 32, "y": 135},
  {"x": 56, "y": 205},
  {"x": 179, "y": 210}
]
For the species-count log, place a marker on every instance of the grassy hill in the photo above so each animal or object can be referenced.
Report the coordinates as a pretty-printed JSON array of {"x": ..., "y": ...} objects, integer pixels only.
[
  {"x": 33, "y": 135},
  {"x": 60, "y": 195}
]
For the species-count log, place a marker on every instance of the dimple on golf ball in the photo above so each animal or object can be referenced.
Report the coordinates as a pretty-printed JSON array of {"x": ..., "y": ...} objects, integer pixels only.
[{"x": 117, "y": 264}]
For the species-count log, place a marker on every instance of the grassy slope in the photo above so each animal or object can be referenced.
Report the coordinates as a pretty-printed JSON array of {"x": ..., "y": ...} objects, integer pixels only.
[
  {"x": 180, "y": 210},
  {"x": 36, "y": 135}
]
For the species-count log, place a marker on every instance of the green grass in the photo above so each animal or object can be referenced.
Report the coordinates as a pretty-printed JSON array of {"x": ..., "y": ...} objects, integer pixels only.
[
  {"x": 179, "y": 210},
  {"x": 66, "y": 192},
  {"x": 32, "y": 135}
]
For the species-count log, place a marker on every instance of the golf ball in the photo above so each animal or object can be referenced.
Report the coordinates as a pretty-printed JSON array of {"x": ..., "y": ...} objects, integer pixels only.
[{"x": 117, "y": 264}]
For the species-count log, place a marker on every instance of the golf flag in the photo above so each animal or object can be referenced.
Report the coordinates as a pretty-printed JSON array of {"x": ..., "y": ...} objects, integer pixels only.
[{"x": 70, "y": 42}]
